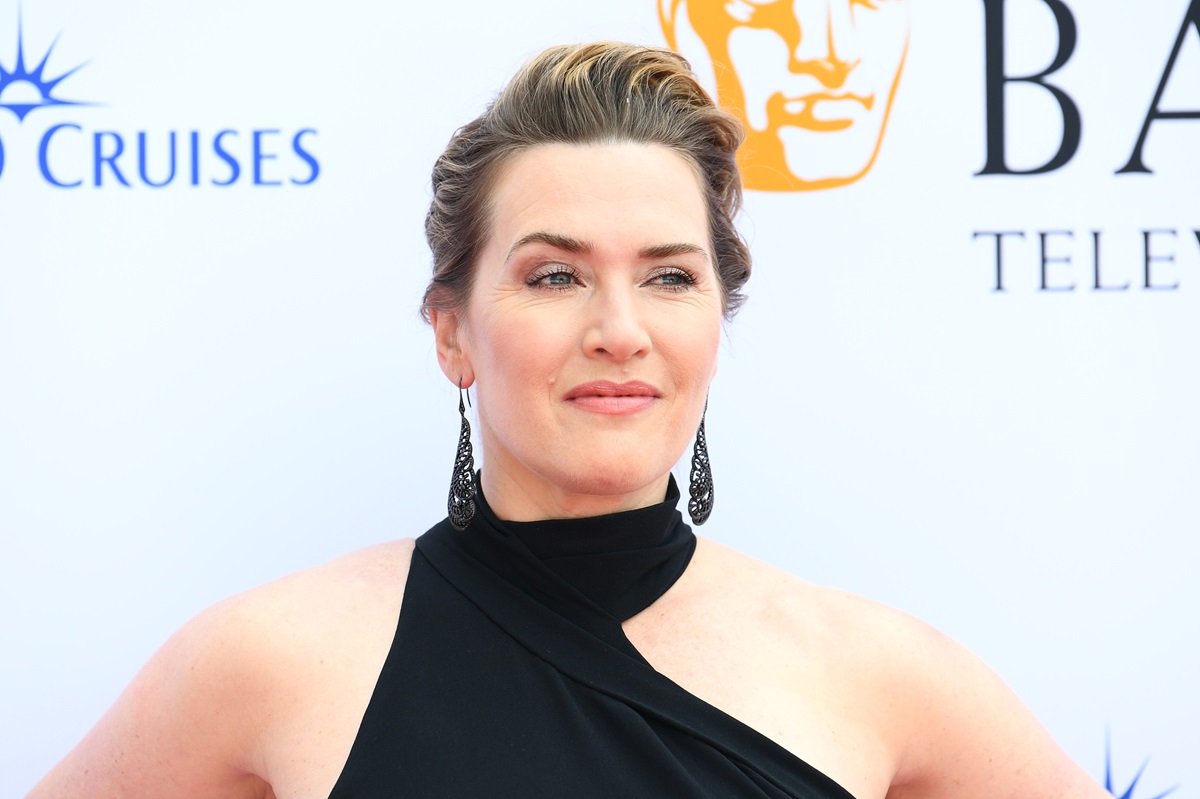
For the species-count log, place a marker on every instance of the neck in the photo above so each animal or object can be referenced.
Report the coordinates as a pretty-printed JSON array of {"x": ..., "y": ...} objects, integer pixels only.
[{"x": 524, "y": 497}]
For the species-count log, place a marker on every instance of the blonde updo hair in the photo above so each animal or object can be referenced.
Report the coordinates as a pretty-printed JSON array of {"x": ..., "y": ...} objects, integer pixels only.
[{"x": 584, "y": 94}]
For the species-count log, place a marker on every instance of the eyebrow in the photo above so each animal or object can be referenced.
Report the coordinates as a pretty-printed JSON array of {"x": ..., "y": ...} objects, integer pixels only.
[
  {"x": 574, "y": 245},
  {"x": 556, "y": 240},
  {"x": 669, "y": 250}
]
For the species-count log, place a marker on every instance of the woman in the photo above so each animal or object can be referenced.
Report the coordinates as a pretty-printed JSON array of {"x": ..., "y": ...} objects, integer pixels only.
[{"x": 564, "y": 633}]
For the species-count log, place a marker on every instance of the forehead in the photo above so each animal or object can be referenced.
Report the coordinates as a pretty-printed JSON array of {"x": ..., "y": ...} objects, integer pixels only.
[{"x": 614, "y": 195}]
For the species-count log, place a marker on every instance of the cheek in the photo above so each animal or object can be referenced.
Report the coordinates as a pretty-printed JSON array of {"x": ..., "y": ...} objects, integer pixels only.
[
  {"x": 691, "y": 349},
  {"x": 517, "y": 352}
]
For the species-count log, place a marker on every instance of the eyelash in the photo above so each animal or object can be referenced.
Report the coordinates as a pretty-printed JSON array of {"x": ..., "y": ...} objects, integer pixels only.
[
  {"x": 536, "y": 279},
  {"x": 686, "y": 279}
]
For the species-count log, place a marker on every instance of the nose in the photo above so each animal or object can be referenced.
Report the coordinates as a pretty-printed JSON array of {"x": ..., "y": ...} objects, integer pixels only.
[
  {"x": 616, "y": 327},
  {"x": 828, "y": 44}
]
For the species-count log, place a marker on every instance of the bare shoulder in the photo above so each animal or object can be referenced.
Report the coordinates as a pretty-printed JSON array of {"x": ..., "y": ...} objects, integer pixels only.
[
  {"x": 952, "y": 726},
  {"x": 313, "y": 620},
  {"x": 872, "y": 647},
  {"x": 835, "y": 625},
  {"x": 213, "y": 711},
  {"x": 802, "y": 610},
  {"x": 334, "y": 599}
]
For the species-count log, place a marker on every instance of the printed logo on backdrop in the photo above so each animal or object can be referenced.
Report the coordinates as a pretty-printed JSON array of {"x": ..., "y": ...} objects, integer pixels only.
[
  {"x": 22, "y": 91},
  {"x": 812, "y": 80},
  {"x": 1065, "y": 260},
  {"x": 1131, "y": 791},
  {"x": 71, "y": 154}
]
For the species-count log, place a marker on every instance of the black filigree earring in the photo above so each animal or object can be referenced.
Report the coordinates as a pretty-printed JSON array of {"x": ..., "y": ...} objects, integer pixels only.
[
  {"x": 461, "y": 504},
  {"x": 700, "y": 504}
]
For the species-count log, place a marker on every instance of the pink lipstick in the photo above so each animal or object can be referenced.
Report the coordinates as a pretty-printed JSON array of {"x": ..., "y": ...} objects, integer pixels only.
[{"x": 605, "y": 396}]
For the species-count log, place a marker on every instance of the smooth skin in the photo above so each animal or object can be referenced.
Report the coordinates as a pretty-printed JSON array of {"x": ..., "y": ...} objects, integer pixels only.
[{"x": 597, "y": 268}]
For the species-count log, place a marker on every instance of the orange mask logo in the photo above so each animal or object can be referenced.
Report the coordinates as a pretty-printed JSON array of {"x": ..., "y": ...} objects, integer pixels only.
[{"x": 812, "y": 80}]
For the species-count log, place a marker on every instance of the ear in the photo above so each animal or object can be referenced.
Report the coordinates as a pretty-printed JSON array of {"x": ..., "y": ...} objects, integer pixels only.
[{"x": 454, "y": 359}]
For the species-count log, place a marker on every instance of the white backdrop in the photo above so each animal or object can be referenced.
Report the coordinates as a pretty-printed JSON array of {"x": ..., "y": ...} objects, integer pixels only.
[{"x": 205, "y": 387}]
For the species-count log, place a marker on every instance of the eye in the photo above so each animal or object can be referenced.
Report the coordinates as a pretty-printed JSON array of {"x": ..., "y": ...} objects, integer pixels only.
[
  {"x": 553, "y": 276},
  {"x": 673, "y": 280}
]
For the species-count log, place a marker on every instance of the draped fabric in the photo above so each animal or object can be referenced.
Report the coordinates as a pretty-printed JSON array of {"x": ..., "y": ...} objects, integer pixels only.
[{"x": 510, "y": 676}]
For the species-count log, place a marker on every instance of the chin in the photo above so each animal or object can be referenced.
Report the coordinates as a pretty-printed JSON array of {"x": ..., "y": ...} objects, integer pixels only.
[{"x": 611, "y": 479}]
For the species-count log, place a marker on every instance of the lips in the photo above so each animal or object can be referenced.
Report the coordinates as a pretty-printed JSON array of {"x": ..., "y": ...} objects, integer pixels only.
[
  {"x": 607, "y": 388},
  {"x": 605, "y": 396}
]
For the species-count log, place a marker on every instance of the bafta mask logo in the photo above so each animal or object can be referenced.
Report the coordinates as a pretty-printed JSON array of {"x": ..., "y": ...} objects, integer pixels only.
[{"x": 812, "y": 80}]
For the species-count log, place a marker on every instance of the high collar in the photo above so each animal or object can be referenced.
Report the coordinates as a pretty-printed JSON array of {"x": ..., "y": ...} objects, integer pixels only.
[{"x": 620, "y": 562}]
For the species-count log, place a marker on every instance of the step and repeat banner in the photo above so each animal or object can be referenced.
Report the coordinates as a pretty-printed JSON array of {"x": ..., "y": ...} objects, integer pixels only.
[{"x": 966, "y": 382}]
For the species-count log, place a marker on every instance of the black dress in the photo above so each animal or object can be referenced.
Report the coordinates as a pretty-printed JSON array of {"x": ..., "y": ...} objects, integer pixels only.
[{"x": 510, "y": 676}]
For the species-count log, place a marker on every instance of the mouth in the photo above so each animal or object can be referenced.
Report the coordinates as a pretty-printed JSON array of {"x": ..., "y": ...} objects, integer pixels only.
[{"x": 607, "y": 397}]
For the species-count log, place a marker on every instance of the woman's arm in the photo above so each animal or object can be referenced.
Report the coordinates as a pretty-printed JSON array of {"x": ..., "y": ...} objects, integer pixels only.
[
  {"x": 187, "y": 726},
  {"x": 261, "y": 695},
  {"x": 969, "y": 734}
]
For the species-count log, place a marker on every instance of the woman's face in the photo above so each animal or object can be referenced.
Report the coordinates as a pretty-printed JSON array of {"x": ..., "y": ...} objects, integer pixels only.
[{"x": 592, "y": 330}]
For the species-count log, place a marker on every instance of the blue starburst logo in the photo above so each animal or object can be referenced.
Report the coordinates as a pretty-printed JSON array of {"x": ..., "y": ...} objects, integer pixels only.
[
  {"x": 23, "y": 90},
  {"x": 1129, "y": 792}
]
